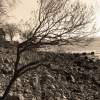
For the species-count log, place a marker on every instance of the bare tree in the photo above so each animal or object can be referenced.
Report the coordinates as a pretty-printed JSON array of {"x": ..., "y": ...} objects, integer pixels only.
[
  {"x": 61, "y": 22},
  {"x": 58, "y": 22},
  {"x": 11, "y": 30}
]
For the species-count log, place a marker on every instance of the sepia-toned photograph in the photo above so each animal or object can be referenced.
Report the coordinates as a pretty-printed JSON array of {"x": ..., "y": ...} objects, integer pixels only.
[{"x": 49, "y": 49}]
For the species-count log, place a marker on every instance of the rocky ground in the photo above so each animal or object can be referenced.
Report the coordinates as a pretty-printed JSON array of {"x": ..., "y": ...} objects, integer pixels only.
[{"x": 65, "y": 76}]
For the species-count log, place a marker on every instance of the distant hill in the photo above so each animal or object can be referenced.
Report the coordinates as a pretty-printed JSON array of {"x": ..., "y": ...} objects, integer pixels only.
[{"x": 94, "y": 46}]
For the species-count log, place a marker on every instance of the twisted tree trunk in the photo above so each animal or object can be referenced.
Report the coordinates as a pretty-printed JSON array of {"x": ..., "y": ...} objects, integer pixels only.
[{"x": 8, "y": 88}]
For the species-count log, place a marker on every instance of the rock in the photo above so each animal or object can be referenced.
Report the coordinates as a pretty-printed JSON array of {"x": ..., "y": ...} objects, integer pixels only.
[{"x": 21, "y": 96}]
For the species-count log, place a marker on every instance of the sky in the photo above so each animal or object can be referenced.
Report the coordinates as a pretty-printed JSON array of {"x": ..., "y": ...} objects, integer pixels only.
[
  {"x": 98, "y": 16},
  {"x": 23, "y": 11}
]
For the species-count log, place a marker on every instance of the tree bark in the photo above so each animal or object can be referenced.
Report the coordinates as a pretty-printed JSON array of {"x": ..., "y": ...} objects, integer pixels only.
[{"x": 8, "y": 88}]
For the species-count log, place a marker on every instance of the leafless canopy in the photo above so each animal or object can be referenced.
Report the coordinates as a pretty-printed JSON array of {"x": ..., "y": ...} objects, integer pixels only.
[
  {"x": 61, "y": 22},
  {"x": 11, "y": 30}
]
